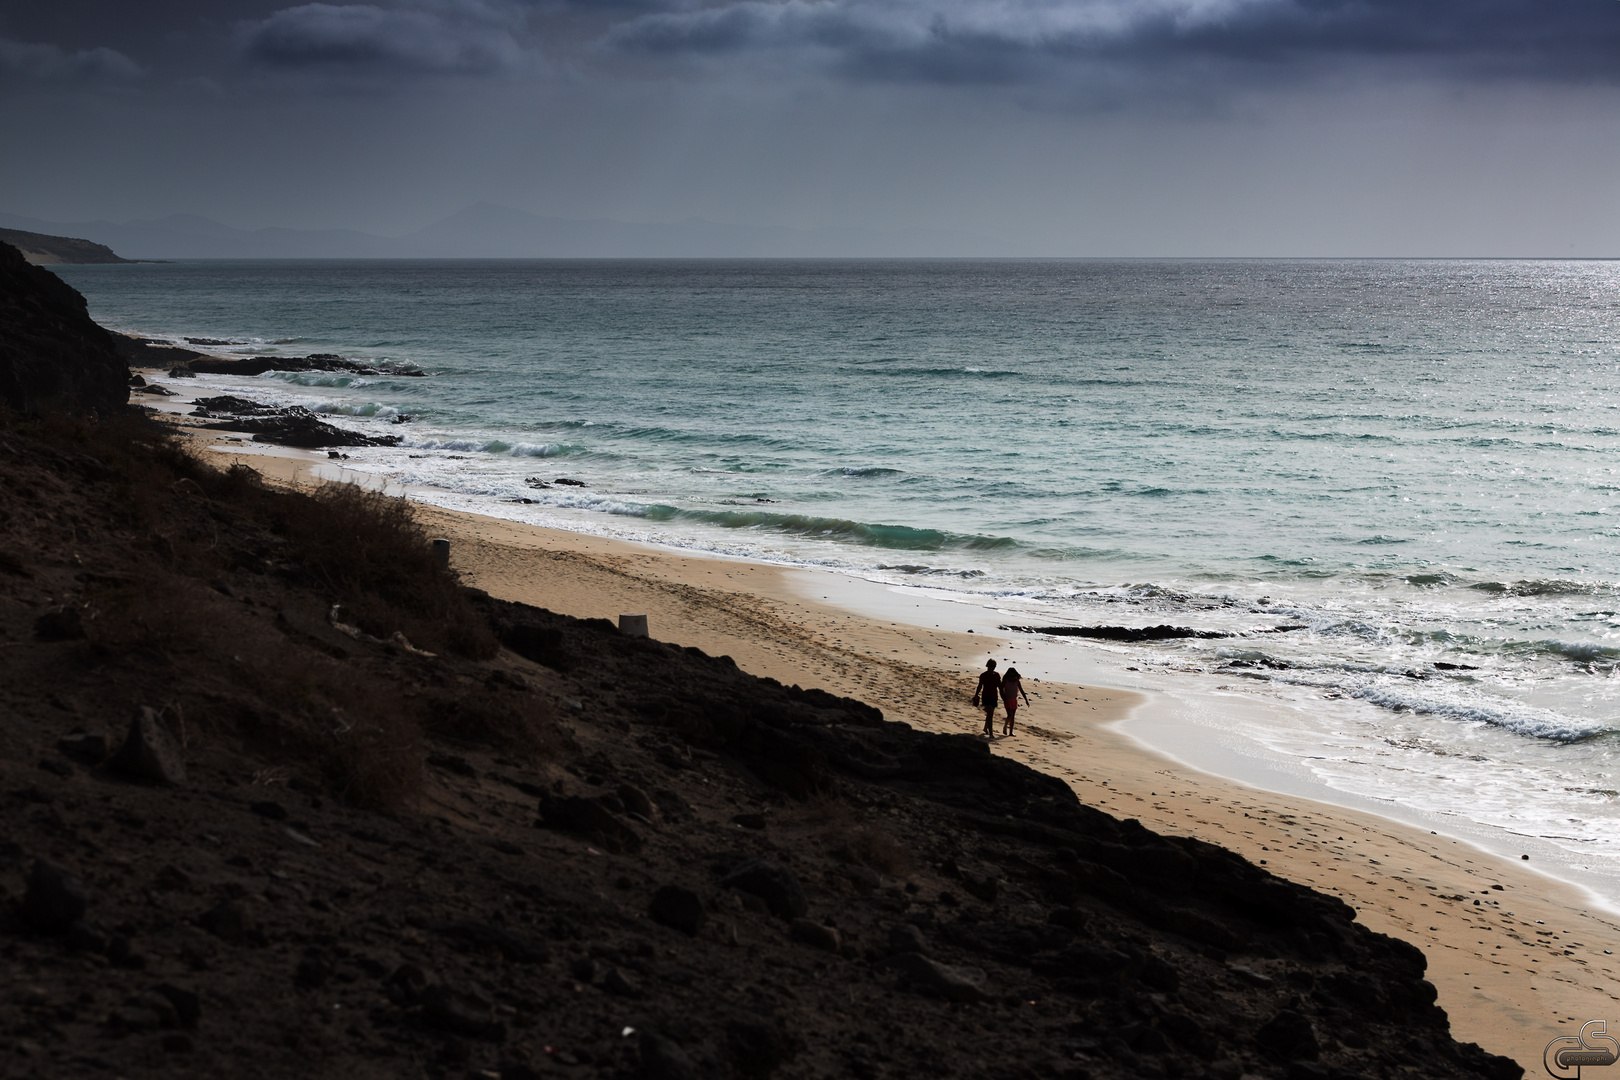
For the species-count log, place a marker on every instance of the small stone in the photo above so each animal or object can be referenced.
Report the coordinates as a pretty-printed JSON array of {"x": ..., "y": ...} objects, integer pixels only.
[
  {"x": 962, "y": 984},
  {"x": 1069, "y": 918},
  {"x": 229, "y": 921},
  {"x": 54, "y": 901},
  {"x": 59, "y": 624},
  {"x": 617, "y": 982},
  {"x": 749, "y": 821},
  {"x": 635, "y": 800},
  {"x": 313, "y": 971},
  {"x": 816, "y": 935},
  {"x": 757, "y": 1045},
  {"x": 678, "y": 908},
  {"x": 187, "y": 1005},
  {"x": 591, "y": 819},
  {"x": 135, "y": 1018},
  {"x": 772, "y": 883},
  {"x": 457, "y": 1012},
  {"x": 906, "y": 938},
  {"x": 272, "y": 810},
  {"x": 84, "y": 746},
  {"x": 662, "y": 1059},
  {"x": 56, "y": 766},
  {"x": 149, "y": 751},
  {"x": 864, "y": 880},
  {"x": 1290, "y": 1036}
]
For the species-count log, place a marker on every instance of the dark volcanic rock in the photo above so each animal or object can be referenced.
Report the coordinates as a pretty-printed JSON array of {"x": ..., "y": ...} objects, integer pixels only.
[
  {"x": 679, "y": 908},
  {"x": 229, "y": 921},
  {"x": 258, "y": 365},
  {"x": 147, "y": 353},
  {"x": 231, "y": 406},
  {"x": 592, "y": 820},
  {"x": 59, "y": 624},
  {"x": 52, "y": 356},
  {"x": 773, "y": 883},
  {"x": 54, "y": 901},
  {"x": 459, "y": 1013},
  {"x": 816, "y": 935},
  {"x": 949, "y": 982},
  {"x": 1163, "y": 632},
  {"x": 1290, "y": 1036},
  {"x": 663, "y": 1059},
  {"x": 297, "y": 426},
  {"x": 149, "y": 751}
]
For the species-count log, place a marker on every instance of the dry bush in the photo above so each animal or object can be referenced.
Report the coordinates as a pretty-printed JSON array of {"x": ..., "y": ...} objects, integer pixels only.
[
  {"x": 349, "y": 724},
  {"x": 871, "y": 846},
  {"x": 368, "y": 552}
]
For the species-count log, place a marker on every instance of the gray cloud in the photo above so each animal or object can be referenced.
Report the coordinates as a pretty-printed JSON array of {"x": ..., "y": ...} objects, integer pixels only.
[
  {"x": 30, "y": 62},
  {"x": 1001, "y": 41},
  {"x": 452, "y": 38}
]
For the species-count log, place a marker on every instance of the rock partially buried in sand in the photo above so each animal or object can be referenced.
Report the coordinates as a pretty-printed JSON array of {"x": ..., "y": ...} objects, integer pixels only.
[
  {"x": 54, "y": 901},
  {"x": 149, "y": 751}
]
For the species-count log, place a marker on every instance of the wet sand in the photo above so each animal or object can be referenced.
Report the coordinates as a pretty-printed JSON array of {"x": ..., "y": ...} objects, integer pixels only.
[{"x": 1515, "y": 966}]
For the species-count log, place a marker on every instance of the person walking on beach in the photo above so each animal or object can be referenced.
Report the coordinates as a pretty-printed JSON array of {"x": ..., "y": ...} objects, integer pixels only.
[
  {"x": 1011, "y": 686},
  {"x": 989, "y": 688}
]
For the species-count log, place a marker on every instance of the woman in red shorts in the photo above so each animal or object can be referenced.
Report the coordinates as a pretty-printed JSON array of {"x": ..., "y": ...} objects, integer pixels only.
[{"x": 1011, "y": 687}]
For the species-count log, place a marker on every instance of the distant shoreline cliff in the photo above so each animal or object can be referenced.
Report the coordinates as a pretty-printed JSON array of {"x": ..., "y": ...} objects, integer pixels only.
[{"x": 43, "y": 250}]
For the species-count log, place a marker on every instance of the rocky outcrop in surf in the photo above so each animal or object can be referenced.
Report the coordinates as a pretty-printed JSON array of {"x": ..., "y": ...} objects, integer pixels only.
[
  {"x": 259, "y": 365},
  {"x": 1162, "y": 632},
  {"x": 283, "y": 425}
]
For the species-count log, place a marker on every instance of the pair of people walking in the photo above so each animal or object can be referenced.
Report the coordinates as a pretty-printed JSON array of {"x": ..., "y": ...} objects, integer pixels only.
[{"x": 1008, "y": 686}]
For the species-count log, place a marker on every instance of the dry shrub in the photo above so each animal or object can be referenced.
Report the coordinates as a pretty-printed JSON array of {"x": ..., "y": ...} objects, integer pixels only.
[
  {"x": 368, "y": 552},
  {"x": 871, "y": 846},
  {"x": 349, "y": 724},
  {"x": 525, "y": 728},
  {"x": 151, "y": 620}
]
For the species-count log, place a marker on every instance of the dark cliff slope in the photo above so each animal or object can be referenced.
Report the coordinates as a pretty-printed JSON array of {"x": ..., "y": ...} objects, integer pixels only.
[
  {"x": 426, "y": 833},
  {"x": 52, "y": 356},
  {"x": 43, "y": 249}
]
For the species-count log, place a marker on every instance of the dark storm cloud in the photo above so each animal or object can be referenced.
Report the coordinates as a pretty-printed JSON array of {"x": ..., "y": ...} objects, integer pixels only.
[
  {"x": 467, "y": 38},
  {"x": 34, "y": 62},
  {"x": 1027, "y": 40}
]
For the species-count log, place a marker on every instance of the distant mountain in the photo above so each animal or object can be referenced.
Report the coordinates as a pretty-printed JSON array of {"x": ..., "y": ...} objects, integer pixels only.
[
  {"x": 488, "y": 231},
  {"x": 42, "y": 249}
]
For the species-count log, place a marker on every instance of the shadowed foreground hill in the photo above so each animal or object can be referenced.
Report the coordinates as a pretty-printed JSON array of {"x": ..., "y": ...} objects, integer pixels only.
[{"x": 283, "y": 800}]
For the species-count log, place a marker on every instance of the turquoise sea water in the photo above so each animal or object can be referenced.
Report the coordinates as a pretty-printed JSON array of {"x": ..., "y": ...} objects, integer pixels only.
[{"x": 1414, "y": 461}]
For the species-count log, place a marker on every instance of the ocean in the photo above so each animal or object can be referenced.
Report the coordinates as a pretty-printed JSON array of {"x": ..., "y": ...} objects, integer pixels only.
[{"x": 1392, "y": 484}]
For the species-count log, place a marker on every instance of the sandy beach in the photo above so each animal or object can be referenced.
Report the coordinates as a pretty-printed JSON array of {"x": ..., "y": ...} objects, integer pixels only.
[{"x": 1518, "y": 958}]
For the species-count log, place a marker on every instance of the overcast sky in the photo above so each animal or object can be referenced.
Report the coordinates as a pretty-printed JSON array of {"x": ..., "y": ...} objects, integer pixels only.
[{"x": 1066, "y": 127}]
